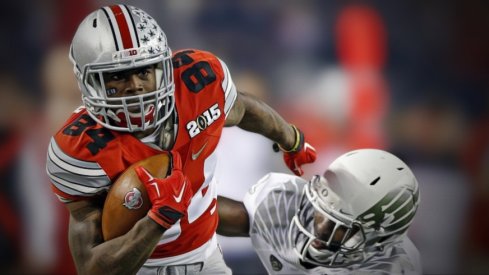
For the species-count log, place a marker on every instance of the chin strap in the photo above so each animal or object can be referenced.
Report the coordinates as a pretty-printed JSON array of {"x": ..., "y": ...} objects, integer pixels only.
[{"x": 168, "y": 132}]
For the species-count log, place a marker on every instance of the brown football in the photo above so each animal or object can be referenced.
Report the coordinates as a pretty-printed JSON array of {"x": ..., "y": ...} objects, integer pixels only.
[{"x": 127, "y": 200}]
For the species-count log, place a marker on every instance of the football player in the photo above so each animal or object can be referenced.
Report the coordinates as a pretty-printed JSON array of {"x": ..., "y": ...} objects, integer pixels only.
[
  {"x": 351, "y": 220},
  {"x": 139, "y": 99}
]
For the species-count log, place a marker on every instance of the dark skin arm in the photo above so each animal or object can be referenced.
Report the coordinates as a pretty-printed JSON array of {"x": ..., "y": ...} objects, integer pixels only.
[
  {"x": 233, "y": 218},
  {"x": 251, "y": 114},
  {"x": 123, "y": 255}
]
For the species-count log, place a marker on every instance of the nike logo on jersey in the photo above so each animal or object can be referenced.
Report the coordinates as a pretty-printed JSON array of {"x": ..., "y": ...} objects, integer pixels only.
[
  {"x": 179, "y": 198},
  {"x": 197, "y": 154}
]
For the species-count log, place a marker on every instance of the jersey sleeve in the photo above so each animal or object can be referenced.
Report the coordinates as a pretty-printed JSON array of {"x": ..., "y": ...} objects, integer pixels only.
[
  {"x": 230, "y": 92},
  {"x": 271, "y": 205},
  {"x": 266, "y": 185},
  {"x": 73, "y": 179}
]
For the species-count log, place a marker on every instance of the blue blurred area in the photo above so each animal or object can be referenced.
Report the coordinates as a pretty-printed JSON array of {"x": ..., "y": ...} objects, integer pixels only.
[{"x": 407, "y": 76}]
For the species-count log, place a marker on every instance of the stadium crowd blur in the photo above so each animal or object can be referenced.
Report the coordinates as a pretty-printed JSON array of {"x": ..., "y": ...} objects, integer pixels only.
[{"x": 411, "y": 77}]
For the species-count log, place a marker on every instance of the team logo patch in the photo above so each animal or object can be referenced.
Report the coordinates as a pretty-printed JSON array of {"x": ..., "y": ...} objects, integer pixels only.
[
  {"x": 133, "y": 199},
  {"x": 275, "y": 263}
]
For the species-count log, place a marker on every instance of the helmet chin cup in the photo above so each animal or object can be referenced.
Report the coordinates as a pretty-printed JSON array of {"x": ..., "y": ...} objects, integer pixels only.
[
  {"x": 322, "y": 256},
  {"x": 125, "y": 118},
  {"x": 302, "y": 236}
]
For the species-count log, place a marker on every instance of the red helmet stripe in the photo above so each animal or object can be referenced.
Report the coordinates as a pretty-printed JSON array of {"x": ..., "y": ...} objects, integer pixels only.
[{"x": 123, "y": 26}]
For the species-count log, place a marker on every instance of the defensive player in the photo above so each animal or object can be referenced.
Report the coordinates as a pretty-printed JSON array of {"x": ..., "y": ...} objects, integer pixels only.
[
  {"x": 139, "y": 99},
  {"x": 351, "y": 220}
]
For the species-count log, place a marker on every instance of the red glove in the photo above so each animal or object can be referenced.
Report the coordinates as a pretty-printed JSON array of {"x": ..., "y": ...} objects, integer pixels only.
[
  {"x": 170, "y": 196},
  {"x": 300, "y": 154}
]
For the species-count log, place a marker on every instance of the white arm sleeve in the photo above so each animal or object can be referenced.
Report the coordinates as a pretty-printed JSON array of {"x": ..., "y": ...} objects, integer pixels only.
[{"x": 261, "y": 189}]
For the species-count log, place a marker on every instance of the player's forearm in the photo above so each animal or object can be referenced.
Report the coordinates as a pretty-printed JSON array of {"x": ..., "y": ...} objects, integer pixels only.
[
  {"x": 126, "y": 254},
  {"x": 260, "y": 118},
  {"x": 233, "y": 218}
]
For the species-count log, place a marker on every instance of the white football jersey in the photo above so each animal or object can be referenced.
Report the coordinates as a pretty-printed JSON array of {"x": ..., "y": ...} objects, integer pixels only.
[{"x": 271, "y": 204}]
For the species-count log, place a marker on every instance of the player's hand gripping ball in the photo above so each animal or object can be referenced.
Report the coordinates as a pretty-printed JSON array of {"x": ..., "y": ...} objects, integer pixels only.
[
  {"x": 127, "y": 200},
  {"x": 170, "y": 196}
]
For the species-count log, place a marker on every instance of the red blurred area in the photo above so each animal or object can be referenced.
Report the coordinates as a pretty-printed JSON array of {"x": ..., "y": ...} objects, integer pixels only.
[{"x": 361, "y": 38}]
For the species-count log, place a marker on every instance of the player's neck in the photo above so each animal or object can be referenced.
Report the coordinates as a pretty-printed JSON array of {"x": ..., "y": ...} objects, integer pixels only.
[
  {"x": 163, "y": 136},
  {"x": 143, "y": 134}
]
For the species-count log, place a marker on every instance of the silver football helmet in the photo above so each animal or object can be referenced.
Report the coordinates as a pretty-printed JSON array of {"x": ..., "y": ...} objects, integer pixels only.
[
  {"x": 117, "y": 38},
  {"x": 362, "y": 204}
]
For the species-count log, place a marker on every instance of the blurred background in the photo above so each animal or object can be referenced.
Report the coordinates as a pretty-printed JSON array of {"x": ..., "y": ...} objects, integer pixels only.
[{"x": 411, "y": 77}]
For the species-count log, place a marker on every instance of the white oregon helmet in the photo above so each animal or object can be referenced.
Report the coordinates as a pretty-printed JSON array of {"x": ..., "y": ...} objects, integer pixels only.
[
  {"x": 117, "y": 38},
  {"x": 368, "y": 198}
]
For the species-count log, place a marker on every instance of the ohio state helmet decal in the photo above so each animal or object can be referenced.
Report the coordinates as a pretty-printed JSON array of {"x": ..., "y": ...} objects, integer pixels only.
[{"x": 128, "y": 34}]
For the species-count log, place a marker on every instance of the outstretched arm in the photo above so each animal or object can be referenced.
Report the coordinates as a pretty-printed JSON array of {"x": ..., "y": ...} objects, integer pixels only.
[
  {"x": 233, "y": 218},
  {"x": 251, "y": 114}
]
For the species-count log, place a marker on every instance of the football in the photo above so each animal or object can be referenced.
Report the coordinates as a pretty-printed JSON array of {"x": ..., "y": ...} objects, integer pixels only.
[{"x": 127, "y": 200}]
